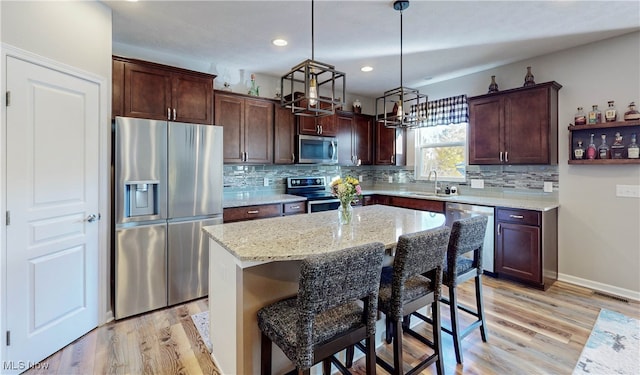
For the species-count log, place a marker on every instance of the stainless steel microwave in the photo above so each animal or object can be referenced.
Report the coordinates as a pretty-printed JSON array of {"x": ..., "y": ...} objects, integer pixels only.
[{"x": 313, "y": 149}]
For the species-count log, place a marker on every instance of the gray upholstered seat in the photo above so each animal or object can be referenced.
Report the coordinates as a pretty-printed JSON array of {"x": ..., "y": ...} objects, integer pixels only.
[
  {"x": 416, "y": 282},
  {"x": 336, "y": 306},
  {"x": 467, "y": 236}
]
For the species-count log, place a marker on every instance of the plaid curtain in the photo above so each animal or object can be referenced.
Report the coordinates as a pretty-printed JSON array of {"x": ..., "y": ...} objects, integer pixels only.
[{"x": 453, "y": 110}]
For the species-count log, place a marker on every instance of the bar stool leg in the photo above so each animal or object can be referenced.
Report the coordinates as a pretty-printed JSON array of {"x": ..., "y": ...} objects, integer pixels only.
[
  {"x": 265, "y": 355},
  {"x": 455, "y": 329},
  {"x": 480, "y": 308},
  {"x": 397, "y": 347},
  {"x": 437, "y": 336}
]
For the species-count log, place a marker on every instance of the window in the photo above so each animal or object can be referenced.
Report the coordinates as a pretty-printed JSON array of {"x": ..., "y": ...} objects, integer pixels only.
[
  {"x": 441, "y": 145},
  {"x": 442, "y": 148}
]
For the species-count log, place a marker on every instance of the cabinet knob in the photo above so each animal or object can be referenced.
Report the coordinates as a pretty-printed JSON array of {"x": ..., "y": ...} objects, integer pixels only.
[
  {"x": 293, "y": 158},
  {"x": 253, "y": 212},
  {"x": 516, "y": 216},
  {"x": 506, "y": 156},
  {"x": 168, "y": 113},
  {"x": 500, "y": 156},
  {"x": 174, "y": 114}
]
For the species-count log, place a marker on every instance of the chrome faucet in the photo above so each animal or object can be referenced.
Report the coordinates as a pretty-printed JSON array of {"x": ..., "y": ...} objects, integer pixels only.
[{"x": 435, "y": 179}]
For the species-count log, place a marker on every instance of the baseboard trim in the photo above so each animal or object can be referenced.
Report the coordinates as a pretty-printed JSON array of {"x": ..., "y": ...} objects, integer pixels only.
[{"x": 606, "y": 288}]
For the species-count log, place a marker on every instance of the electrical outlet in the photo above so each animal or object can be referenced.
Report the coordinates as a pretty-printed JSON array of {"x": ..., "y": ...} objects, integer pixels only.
[
  {"x": 477, "y": 184},
  {"x": 548, "y": 187},
  {"x": 628, "y": 191},
  {"x": 265, "y": 181},
  {"x": 390, "y": 179},
  {"x": 360, "y": 178}
]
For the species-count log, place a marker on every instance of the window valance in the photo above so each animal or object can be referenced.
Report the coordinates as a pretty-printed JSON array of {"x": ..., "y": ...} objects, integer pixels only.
[{"x": 453, "y": 110}]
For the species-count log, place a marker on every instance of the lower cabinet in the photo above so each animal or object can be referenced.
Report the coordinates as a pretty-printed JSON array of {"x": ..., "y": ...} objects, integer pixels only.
[
  {"x": 527, "y": 246},
  {"x": 404, "y": 202},
  {"x": 262, "y": 211}
]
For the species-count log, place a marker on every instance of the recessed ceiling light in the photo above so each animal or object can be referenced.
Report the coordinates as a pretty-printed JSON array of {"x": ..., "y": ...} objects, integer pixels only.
[
  {"x": 279, "y": 42},
  {"x": 366, "y": 68}
]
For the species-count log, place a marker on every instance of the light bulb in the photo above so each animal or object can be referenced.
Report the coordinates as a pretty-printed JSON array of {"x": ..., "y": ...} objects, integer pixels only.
[
  {"x": 313, "y": 90},
  {"x": 400, "y": 113}
]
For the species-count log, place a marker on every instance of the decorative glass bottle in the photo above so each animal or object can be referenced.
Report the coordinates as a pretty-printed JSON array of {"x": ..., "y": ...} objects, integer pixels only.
[
  {"x": 528, "y": 78},
  {"x": 580, "y": 118},
  {"x": 591, "y": 149},
  {"x": 578, "y": 152},
  {"x": 603, "y": 150},
  {"x": 617, "y": 147},
  {"x": 595, "y": 116},
  {"x": 610, "y": 114},
  {"x": 493, "y": 87},
  {"x": 633, "y": 150},
  {"x": 631, "y": 113}
]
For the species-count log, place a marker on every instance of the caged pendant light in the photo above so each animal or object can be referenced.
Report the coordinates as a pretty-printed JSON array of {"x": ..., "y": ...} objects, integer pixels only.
[
  {"x": 409, "y": 106},
  {"x": 304, "y": 86}
]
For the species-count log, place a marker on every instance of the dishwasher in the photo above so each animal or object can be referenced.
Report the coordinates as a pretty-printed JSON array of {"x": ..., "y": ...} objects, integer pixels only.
[{"x": 455, "y": 211}]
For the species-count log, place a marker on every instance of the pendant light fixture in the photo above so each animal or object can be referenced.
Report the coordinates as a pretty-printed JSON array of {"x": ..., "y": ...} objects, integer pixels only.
[
  {"x": 309, "y": 89},
  {"x": 409, "y": 106}
]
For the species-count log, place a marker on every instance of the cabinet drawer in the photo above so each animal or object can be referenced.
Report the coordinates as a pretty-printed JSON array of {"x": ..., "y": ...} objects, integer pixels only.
[
  {"x": 525, "y": 217},
  {"x": 251, "y": 212},
  {"x": 418, "y": 204},
  {"x": 294, "y": 208}
]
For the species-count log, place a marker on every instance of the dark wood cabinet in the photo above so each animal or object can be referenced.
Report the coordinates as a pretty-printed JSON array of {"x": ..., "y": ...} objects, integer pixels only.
[
  {"x": 390, "y": 145},
  {"x": 526, "y": 246},
  {"x": 583, "y": 133},
  {"x": 263, "y": 211},
  {"x": 284, "y": 136},
  {"x": 311, "y": 125},
  {"x": 147, "y": 90},
  {"x": 518, "y": 126},
  {"x": 417, "y": 204},
  {"x": 355, "y": 139},
  {"x": 248, "y": 128}
]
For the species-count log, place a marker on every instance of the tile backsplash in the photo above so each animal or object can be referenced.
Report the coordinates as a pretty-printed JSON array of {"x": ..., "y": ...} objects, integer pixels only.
[{"x": 528, "y": 179}]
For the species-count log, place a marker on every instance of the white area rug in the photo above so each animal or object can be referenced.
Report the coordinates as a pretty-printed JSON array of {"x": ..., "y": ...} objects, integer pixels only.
[
  {"x": 613, "y": 346},
  {"x": 201, "y": 320}
]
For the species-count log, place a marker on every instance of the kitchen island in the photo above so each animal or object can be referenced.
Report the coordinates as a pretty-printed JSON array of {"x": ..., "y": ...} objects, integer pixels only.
[{"x": 255, "y": 263}]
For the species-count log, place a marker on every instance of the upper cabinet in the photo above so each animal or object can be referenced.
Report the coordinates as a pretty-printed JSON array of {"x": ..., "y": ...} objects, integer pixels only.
[
  {"x": 390, "y": 145},
  {"x": 248, "y": 128},
  {"x": 355, "y": 138},
  {"x": 311, "y": 125},
  {"x": 284, "y": 136},
  {"x": 518, "y": 126},
  {"x": 153, "y": 91}
]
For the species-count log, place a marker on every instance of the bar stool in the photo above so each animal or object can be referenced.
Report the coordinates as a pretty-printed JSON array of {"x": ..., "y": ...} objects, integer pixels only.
[
  {"x": 336, "y": 306},
  {"x": 416, "y": 282},
  {"x": 467, "y": 235}
]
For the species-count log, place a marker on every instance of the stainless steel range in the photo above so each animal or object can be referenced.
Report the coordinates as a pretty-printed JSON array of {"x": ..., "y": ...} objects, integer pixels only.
[{"x": 315, "y": 190}]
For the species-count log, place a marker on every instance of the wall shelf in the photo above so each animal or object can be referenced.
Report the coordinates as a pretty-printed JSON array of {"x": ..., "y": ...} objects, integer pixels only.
[{"x": 583, "y": 132}]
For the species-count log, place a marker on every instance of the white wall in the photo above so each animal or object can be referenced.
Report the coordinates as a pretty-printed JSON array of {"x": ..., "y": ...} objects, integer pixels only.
[
  {"x": 599, "y": 233},
  {"x": 77, "y": 34}
]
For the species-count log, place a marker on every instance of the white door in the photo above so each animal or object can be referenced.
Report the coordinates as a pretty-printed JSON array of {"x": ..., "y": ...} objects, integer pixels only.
[{"x": 52, "y": 247}]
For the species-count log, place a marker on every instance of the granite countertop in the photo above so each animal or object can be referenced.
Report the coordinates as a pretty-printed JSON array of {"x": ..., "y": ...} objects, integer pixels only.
[
  {"x": 299, "y": 236},
  {"x": 242, "y": 199},
  {"x": 522, "y": 201}
]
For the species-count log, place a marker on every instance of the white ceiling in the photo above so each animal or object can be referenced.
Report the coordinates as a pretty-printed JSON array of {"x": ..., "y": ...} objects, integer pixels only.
[{"x": 442, "y": 39}]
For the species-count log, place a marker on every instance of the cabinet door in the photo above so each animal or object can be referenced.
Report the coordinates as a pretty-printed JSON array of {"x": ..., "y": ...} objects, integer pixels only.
[
  {"x": 328, "y": 125},
  {"x": 117, "y": 88},
  {"x": 527, "y": 127},
  {"x": 307, "y": 125},
  {"x": 518, "y": 251},
  {"x": 363, "y": 139},
  {"x": 147, "y": 92},
  {"x": 258, "y": 131},
  {"x": 345, "y": 140},
  {"x": 230, "y": 115},
  {"x": 284, "y": 136},
  {"x": 192, "y": 99},
  {"x": 385, "y": 146},
  {"x": 485, "y": 131}
]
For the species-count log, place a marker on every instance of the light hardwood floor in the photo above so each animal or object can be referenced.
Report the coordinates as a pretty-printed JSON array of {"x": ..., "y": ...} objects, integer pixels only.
[{"x": 530, "y": 332}]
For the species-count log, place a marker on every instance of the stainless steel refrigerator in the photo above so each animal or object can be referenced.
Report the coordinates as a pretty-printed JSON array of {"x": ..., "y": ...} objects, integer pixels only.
[{"x": 168, "y": 185}]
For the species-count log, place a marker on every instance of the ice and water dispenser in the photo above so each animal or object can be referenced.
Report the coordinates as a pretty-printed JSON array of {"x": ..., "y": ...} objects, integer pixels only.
[{"x": 141, "y": 198}]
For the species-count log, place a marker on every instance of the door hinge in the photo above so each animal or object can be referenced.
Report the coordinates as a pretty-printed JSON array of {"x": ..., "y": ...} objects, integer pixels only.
[
  {"x": 8, "y": 98},
  {"x": 8, "y": 338},
  {"x": 8, "y": 218}
]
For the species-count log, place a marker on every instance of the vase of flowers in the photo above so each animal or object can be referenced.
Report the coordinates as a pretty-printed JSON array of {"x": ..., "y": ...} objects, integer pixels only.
[{"x": 348, "y": 191}]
